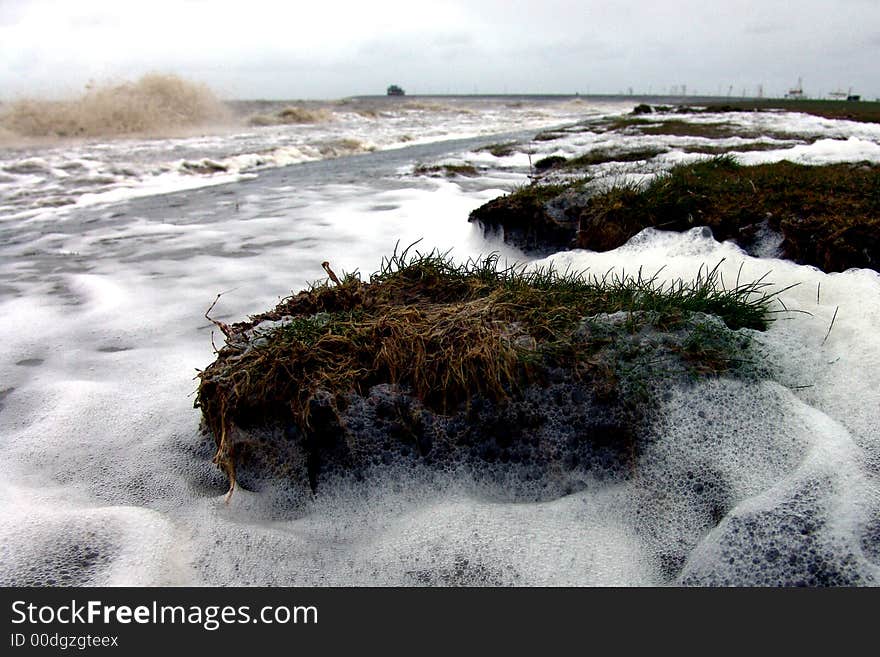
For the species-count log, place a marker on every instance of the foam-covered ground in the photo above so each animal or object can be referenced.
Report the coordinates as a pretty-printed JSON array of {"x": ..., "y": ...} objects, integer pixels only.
[{"x": 106, "y": 479}]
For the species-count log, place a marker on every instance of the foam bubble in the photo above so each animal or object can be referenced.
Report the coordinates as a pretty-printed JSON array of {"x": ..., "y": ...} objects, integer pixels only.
[{"x": 51, "y": 540}]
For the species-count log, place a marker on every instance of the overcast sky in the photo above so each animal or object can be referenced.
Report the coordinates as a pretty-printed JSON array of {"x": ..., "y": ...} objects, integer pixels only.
[{"x": 336, "y": 48}]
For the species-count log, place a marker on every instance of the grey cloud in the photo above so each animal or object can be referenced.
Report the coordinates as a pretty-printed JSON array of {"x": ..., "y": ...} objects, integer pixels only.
[
  {"x": 764, "y": 28},
  {"x": 496, "y": 46}
]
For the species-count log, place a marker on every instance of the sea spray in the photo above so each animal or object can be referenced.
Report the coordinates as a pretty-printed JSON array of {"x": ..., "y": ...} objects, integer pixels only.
[{"x": 156, "y": 104}]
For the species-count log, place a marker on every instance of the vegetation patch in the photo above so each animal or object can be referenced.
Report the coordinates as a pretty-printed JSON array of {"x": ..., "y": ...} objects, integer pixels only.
[
  {"x": 550, "y": 135},
  {"x": 448, "y": 170},
  {"x": 524, "y": 218},
  {"x": 827, "y": 216},
  {"x": 604, "y": 156},
  {"x": 627, "y": 123},
  {"x": 444, "y": 362},
  {"x": 678, "y": 128},
  {"x": 504, "y": 149},
  {"x": 551, "y": 162},
  {"x": 674, "y": 127},
  {"x": 710, "y": 149},
  {"x": 594, "y": 157}
]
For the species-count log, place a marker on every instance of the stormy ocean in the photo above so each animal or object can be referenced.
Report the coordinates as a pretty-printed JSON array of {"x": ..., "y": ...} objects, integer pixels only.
[{"x": 114, "y": 241}]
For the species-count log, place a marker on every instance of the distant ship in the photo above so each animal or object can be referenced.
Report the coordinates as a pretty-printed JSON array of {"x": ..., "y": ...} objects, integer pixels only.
[
  {"x": 796, "y": 93},
  {"x": 394, "y": 90},
  {"x": 844, "y": 95}
]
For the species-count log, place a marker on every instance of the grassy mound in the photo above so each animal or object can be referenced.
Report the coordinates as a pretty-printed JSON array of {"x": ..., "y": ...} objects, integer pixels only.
[
  {"x": 594, "y": 157},
  {"x": 827, "y": 216},
  {"x": 449, "y": 334},
  {"x": 448, "y": 170},
  {"x": 503, "y": 149},
  {"x": 523, "y": 218}
]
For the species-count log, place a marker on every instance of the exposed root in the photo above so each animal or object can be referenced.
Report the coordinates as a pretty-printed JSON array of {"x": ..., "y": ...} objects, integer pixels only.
[
  {"x": 333, "y": 277},
  {"x": 216, "y": 322},
  {"x": 223, "y": 457}
]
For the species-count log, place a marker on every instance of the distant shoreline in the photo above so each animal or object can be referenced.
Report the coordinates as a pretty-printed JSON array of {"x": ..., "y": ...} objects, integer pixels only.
[{"x": 863, "y": 110}]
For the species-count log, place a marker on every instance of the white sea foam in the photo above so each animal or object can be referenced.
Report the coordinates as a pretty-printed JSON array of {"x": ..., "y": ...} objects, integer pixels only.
[
  {"x": 822, "y": 151},
  {"x": 107, "y": 480}
]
